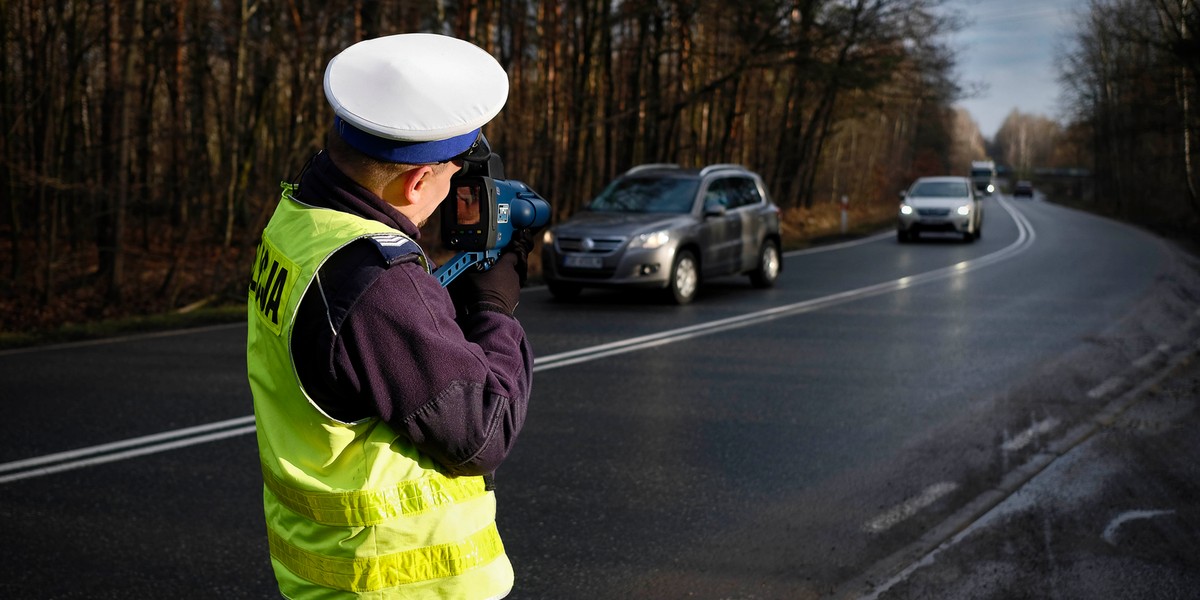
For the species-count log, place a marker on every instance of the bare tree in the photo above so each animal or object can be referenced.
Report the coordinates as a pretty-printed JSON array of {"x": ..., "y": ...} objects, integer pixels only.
[
  {"x": 1025, "y": 142},
  {"x": 149, "y": 138},
  {"x": 1132, "y": 76}
]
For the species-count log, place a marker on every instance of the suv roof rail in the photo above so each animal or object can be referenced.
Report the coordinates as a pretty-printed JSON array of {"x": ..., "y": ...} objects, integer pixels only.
[
  {"x": 720, "y": 167},
  {"x": 649, "y": 166}
]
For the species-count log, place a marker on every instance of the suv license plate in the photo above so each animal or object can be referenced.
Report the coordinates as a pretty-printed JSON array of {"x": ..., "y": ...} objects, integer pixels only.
[{"x": 583, "y": 262}]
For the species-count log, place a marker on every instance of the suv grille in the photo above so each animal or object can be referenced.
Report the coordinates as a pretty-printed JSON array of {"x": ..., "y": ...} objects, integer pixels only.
[
  {"x": 933, "y": 212},
  {"x": 605, "y": 245}
]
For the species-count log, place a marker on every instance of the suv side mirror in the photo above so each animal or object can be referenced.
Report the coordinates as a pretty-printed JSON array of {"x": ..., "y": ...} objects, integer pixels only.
[{"x": 715, "y": 210}]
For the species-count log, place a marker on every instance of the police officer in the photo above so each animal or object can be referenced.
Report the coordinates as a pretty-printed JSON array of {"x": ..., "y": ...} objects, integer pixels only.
[{"x": 383, "y": 401}]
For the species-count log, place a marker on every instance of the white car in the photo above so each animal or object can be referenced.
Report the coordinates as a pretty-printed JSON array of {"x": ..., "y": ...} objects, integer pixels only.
[{"x": 946, "y": 204}]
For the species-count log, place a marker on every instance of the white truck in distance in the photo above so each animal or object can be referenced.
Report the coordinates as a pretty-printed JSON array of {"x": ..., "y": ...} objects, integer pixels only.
[{"x": 983, "y": 175}]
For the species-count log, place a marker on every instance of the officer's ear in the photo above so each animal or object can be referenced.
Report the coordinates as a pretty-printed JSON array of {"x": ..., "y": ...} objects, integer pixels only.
[{"x": 410, "y": 187}]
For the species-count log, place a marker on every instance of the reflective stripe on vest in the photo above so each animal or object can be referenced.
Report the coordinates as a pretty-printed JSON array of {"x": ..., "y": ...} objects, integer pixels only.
[
  {"x": 362, "y": 508},
  {"x": 374, "y": 573}
]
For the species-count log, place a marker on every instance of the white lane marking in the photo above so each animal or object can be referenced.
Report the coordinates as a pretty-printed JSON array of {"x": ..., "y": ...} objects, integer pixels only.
[
  {"x": 909, "y": 507},
  {"x": 1110, "y": 532},
  {"x": 1106, "y": 387},
  {"x": 179, "y": 438},
  {"x": 129, "y": 443},
  {"x": 1151, "y": 356},
  {"x": 841, "y": 245},
  {"x": 790, "y": 253},
  {"x": 1025, "y": 239},
  {"x": 139, "y": 446},
  {"x": 1022, "y": 439},
  {"x": 143, "y": 451}
]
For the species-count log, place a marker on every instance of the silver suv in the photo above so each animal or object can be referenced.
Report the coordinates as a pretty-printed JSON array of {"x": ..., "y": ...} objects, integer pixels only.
[{"x": 660, "y": 226}]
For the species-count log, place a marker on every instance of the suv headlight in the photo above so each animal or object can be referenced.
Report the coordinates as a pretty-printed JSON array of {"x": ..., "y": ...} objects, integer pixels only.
[
  {"x": 964, "y": 210},
  {"x": 651, "y": 241},
  {"x": 906, "y": 209},
  {"x": 548, "y": 238}
]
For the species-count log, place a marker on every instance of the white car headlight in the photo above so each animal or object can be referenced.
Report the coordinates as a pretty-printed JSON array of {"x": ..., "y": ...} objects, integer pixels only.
[
  {"x": 548, "y": 238},
  {"x": 906, "y": 209},
  {"x": 964, "y": 210},
  {"x": 651, "y": 241}
]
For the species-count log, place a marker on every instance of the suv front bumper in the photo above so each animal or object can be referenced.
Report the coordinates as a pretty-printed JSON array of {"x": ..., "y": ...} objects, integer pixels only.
[
  {"x": 625, "y": 268},
  {"x": 952, "y": 222}
]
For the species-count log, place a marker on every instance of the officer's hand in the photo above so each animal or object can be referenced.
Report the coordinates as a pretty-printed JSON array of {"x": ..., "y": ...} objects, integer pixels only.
[
  {"x": 521, "y": 245},
  {"x": 499, "y": 286}
]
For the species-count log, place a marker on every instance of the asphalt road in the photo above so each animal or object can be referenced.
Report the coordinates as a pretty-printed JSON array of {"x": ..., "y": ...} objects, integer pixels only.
[{"x": 829, "y": 437}]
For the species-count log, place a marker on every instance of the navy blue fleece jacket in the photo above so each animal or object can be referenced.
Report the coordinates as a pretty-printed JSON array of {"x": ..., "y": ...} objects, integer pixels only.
[{"x": 374, "y": 339}]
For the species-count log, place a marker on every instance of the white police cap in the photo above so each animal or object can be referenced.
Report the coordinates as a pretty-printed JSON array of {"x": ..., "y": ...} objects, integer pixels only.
[{"x": 415, "y": 98}]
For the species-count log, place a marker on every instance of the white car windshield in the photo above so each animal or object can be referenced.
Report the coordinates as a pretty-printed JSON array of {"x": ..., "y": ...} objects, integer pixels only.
[
  {"x": 647, "y": 195},
  {"x": 940, "y": 189}
]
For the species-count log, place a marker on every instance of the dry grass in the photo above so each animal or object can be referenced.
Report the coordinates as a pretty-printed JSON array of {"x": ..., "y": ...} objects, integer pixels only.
[{"x": 804, "y": 227}]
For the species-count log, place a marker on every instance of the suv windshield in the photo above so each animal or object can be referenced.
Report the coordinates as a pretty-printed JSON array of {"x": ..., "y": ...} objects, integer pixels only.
[
  {"x": 940, "y": 189},
  {"x": 647, "y": 194}
]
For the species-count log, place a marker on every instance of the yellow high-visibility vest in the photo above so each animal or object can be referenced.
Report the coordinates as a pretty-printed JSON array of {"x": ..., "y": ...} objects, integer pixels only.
[{"x": 353, "y": 510}]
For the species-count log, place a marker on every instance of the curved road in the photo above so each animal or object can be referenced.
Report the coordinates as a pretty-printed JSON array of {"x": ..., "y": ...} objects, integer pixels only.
[{"x": 784, "y": 443}]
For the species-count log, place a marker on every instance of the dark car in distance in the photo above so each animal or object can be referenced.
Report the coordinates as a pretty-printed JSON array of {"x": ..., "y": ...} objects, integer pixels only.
[{"x": 1023, "y": 189}]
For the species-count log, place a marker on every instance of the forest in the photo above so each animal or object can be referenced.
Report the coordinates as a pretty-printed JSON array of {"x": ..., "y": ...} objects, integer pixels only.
[
  {"x": 1131, "y": 77},
  {"x": 144, "y": 141}
]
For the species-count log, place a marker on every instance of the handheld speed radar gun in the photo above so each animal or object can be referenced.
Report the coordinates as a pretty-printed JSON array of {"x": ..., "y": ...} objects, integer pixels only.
[{"x": 482, "y": 214}]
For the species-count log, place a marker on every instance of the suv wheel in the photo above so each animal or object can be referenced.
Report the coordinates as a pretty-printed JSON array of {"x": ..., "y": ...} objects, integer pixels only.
[
  {"x": 768, "y": 266},
  {"x": 685, "y": 277}
]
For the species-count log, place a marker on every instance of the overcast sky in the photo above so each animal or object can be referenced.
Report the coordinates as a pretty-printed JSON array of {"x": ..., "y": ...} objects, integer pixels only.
[{"x": 1009, "y": 49}]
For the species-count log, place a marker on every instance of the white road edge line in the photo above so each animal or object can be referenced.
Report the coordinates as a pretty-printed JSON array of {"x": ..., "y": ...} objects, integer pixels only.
[
  {"x": 801, "y": 252},
  {"x": 909, "y": 507},
  {"x": 179, "y": 438},
  {"x": 1022, "y": 439},
  {"x": 1151, "y": 356},
  {"x": 966, "y": 520},
  {"x": 1106, "y": 387}
]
